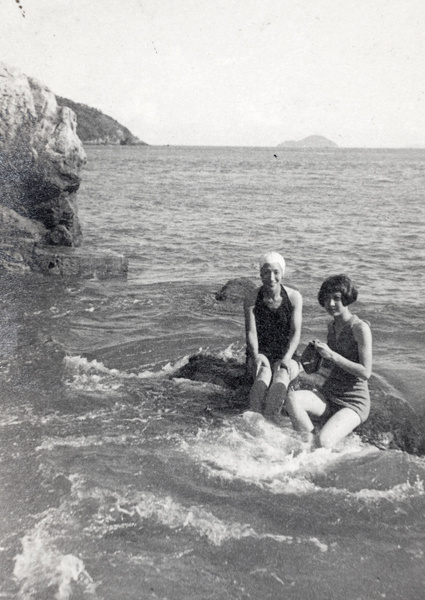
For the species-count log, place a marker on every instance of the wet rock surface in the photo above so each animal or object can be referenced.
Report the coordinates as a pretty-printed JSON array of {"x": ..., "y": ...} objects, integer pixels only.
[
  {"x": 392, "y": 424},
  {"x": 235, "y": 290}
]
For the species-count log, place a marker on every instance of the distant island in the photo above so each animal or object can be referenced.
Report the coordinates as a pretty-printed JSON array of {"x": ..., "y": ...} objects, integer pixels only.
[
  {"x": 94, "y": 127},
  {"x": 312, "y": 141}
]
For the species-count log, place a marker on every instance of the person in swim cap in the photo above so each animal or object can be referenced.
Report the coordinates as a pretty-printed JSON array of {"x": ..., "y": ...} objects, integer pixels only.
[{"x": 273, "y": 317}]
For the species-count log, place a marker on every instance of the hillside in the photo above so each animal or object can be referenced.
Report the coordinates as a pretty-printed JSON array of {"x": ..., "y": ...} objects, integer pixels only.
[
  {"x": 94, "y": 127},
  {"x": 312, "y": 141}
]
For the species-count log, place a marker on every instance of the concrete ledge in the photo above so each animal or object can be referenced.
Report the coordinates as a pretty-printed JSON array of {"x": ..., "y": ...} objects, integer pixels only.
[{"x": 85, "y": 263}]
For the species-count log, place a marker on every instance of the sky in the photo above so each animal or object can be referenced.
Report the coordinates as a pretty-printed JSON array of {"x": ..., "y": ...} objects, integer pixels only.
[{"x": 231, "y": 72}]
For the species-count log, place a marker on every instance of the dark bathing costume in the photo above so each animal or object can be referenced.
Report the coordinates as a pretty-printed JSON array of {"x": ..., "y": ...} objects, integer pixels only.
[
  {"x": 342, "y": 389},
  {"x": 273, "y": 326}
]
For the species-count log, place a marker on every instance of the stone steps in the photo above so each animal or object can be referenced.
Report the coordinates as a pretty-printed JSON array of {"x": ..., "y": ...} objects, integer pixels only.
[{"x": 86, "y": 263}]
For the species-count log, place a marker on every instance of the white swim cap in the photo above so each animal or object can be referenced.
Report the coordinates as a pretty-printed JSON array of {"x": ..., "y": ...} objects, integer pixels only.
[{"x": 273, "y": 257}]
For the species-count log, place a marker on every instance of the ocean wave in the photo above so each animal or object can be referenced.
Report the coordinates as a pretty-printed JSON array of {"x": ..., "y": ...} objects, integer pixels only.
[
  {"x": 93, "y": 376},
  {"x": 170, "y": 513},
  {"x": 398, "y": 493},
  {"x": 249, "y": 448},
  {"x": 42, "y": 565},
  {"x": 82, "y": 442}
]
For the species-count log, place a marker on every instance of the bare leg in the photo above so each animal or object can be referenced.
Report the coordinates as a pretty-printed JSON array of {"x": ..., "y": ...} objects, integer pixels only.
[
  {"x": 276, "y": 395},
  {"x": 256, "y": 396},
  {"x": 338, "y": 427},
  {"x": 303, "y": 403},
  {"x": 274, "y": 401},
  {"x": 259, "y": 389}
]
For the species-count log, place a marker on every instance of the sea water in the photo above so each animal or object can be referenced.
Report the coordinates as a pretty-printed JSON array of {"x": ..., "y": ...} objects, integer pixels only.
[{"x": 122, "y": 480}]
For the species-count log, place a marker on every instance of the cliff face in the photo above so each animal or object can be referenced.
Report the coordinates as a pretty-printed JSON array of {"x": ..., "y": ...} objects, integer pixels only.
[
  {"x": 94, "y": 127},
  {"x": 40, "y": 162},
  {"x": 312, "y": 141}
]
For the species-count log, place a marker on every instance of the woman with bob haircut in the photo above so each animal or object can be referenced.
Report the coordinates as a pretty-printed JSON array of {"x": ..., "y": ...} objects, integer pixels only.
[{"x": 343, "y": 400}]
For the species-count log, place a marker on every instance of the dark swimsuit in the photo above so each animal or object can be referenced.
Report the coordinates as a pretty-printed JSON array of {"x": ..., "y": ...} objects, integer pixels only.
[
  {"x": 273, "y": 326},
  {"x": 341, "y": 388}
]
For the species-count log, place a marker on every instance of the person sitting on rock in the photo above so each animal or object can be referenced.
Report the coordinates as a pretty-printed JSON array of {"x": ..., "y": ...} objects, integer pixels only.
[
  {"x": 343, "y": 400},
  {"x": 273, "y": 316}
]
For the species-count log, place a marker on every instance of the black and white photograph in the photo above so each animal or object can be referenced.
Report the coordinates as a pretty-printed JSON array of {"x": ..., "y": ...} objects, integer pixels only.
[{"x": 212, "y": 315}]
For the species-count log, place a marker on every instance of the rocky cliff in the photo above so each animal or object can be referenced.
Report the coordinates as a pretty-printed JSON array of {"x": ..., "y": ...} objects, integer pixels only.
[
  {"x": 40, "y": 161},
  {"x": 94, "y": 127},
  {"x": 312, "y": 141}
]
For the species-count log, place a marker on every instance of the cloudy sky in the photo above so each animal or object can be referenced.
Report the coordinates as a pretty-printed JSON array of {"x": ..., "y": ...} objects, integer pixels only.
[{"x": 232, "y": 72}]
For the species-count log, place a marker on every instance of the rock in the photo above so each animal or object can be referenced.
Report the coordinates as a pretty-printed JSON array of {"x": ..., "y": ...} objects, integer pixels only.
[
  {"x": 79, "y": 262},
  {"x": 40, "y": 162},
  {"x": 392, "y": 424},
  {"x": 211, "y": 369},
  {"x": 235, "y": 290},
  {"x": 19, "y": 236},
  {"x": 229, "y": 374}
]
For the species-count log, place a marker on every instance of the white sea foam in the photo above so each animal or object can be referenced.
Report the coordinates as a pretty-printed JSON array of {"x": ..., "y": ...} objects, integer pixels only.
[
  {"x": 7, "y": 420},
  {"x": 251, "y": 449},
  {"x": 93, "y": 375},
  {"x": 174, "y": 515},
  {"x": 232, "y": 351},
  {"x": 398, "y": 493},
  {"x": 42, "y": 565},
  {"x": 82, "y": 441}
]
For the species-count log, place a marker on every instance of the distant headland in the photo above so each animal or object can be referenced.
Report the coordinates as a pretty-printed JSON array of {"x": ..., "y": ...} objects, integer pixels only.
[
  {"x": 312, "y": 141},
  {"x": 96, "y": 128}
]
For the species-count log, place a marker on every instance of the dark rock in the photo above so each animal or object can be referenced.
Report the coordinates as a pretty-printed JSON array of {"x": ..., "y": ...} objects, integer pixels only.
[
  {"x": 211, "y": 369},
  {"x": 392, "y": 424},
  {"x": 235, "y": 290}
]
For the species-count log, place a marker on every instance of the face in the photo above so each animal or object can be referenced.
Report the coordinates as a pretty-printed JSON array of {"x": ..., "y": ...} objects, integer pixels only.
[
  {"x": 334, "y": 305},
  {"x": 271, "y": 274}
]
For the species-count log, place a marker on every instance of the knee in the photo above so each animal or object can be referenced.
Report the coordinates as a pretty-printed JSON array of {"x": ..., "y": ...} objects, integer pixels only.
[
  {"x": 264, "y": 374},
  {"x": 295, "y": 369},
  {"x": 281, "y": 376},
  {"x": 325, "y": 440}
]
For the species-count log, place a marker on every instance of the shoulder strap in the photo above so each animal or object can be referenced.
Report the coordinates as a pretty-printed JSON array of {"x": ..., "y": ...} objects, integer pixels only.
[{"x": 285, "y": 294}]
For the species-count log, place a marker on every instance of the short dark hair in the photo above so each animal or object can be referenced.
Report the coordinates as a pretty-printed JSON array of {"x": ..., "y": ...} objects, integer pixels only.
[{"x": 338, "y": 283}]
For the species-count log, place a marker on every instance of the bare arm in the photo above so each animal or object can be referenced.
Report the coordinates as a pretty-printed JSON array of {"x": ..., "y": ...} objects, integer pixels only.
[
  {"x": 258, "y": 359},
  {"x": 363, "y": 337},
  {"x": 250, "y": 327},
  {"x": 296, "y": 322}
]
